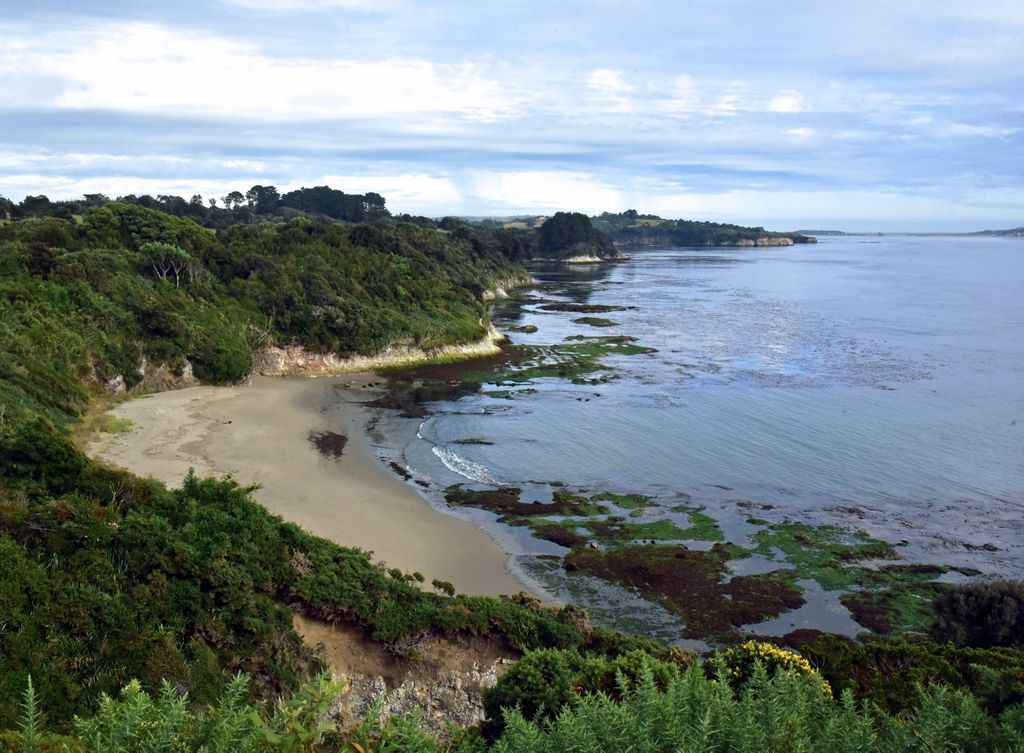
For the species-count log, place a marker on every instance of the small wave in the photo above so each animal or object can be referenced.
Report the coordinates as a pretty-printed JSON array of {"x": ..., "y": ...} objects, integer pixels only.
[{"x": 466, "y": 468}]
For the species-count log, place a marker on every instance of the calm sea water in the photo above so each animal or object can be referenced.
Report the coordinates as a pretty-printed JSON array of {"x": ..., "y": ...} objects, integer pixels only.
[{"x": 872, "y": 382}]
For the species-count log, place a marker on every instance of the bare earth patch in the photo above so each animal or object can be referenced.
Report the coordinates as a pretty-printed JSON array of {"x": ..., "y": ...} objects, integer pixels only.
[{"x": 445, "y": 682}]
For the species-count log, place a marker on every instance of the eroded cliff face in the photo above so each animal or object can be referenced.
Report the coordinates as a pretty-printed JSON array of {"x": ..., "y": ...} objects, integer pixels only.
[
  {"x": 153, "y": 377},
  {"x": 502, "y": 287},
  {"x": 666, "y": 239},
  {"x": 761, "y": 242},
  {"x": 445, "y": 682},
  {"x": 295, "y": 360}
]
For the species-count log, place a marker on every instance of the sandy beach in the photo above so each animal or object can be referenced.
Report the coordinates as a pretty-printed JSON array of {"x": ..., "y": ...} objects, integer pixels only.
[{"x": 259, "y": 434}]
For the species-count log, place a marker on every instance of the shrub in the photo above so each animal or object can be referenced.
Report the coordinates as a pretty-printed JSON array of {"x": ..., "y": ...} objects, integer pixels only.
[
  {"x": 889, "y": 672},
  {"x": 737, "y": 664},
  {"x": 984, "y": 615},
  {"x": 787, "y": 712},
  {"x": 543, "y": 682}
]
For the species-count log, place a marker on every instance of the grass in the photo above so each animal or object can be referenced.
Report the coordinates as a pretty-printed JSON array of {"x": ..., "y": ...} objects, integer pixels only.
[{"x": 98, "y": 421}]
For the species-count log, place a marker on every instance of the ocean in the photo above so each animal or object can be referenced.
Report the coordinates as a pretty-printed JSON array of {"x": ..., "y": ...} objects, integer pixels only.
[{"x": 873, "y": 383}]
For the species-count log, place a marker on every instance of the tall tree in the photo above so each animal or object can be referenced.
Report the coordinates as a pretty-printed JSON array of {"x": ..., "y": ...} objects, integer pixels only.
[
  {"x": 262, "y": 199},
  {"x": 233, "y": 200}
]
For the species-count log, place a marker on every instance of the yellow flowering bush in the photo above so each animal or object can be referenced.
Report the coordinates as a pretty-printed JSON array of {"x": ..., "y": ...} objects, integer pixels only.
[{"x": 739, "y": 663}]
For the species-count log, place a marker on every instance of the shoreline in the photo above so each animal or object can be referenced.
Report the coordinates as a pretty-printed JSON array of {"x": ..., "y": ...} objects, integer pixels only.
[{"x": 260, "y": 434}]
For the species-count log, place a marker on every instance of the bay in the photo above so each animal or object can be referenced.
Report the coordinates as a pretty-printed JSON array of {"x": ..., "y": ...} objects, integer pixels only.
[{"x": 873, "y": 382}]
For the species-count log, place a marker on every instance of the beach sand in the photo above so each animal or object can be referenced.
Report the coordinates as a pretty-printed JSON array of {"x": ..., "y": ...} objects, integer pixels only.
[{"x": 260, "y": 434}]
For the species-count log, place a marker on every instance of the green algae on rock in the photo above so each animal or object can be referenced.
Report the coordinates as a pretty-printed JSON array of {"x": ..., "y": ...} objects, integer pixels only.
[{"x": 595, "y": 321}]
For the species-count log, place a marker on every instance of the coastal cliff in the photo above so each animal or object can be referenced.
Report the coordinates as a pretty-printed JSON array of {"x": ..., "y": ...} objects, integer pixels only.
[
  {"x": 502, "y": 287},
  {"x": 295, "y": 359}
]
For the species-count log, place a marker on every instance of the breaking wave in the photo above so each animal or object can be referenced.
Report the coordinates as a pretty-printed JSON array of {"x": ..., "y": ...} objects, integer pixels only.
[{"x": 466, "y": 468}]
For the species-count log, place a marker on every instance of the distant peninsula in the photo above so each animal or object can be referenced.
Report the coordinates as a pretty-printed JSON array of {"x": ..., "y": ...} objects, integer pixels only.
[
  {"x": 1017, "y": 232},
  {"x": 634, "y": 229}
]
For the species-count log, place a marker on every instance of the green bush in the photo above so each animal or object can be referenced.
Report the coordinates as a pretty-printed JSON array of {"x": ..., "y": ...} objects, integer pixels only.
[
  {"x": 787, "y": 712},
  {"x": 887, "y": 672},
  {"x": 738, "y": 663},
  {"x": 541, "y": 683},
  {"x": 983, "y": 615}
]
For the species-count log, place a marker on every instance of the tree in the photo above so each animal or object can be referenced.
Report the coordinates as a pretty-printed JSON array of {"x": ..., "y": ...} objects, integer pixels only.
[
  {"x": 233, "y": 200},
  {"x": 373, "y": 204},
  {"x": 6, "y": 205},
  {"x": 262, "y": 198},
  {"x": 35, "y": 206},
  {"x": 165, "y": 259},
  {"x": 568, "y": 233}
]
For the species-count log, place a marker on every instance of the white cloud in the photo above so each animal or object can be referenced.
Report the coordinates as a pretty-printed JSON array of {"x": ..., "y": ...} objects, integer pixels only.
[
  {"x": 254, "y": 166},
  {"x": 787, "y": 100},
  {"x": 543, "y": 190},
  {"x": 730, "y": 101},
  {"x": 610, "y": 87},
  {"x": 65, "y": 187},
  {"x": 414, "y": 193},
  {"x": 865, "y": 209},
  {"x": 150, "y": 68},
  {"x": 680, "y": 95},
  {"x": 293, "y": 5},
  {"x": 991, "y": 132},
  {"x": 803, "y": 132}
]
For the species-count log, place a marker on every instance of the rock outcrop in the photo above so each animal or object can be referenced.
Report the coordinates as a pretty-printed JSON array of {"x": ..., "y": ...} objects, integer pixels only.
[
  {"x": 501, "y": 287},
  {"x": 153, "y": 377}
]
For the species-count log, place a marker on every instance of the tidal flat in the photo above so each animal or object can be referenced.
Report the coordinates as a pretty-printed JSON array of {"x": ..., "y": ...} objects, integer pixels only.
[{"x": 743, "y": 455}]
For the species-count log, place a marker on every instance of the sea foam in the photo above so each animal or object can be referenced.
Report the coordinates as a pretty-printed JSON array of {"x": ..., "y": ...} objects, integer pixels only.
[{"x": 465, "y": 468}]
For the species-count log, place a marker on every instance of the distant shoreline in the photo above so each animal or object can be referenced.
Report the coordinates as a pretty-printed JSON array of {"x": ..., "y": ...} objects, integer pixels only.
[{"x": 909, "y": 234}]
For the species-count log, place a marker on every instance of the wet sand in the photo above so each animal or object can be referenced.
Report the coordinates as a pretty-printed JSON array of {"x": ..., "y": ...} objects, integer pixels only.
[{"x": 260, "y": 434}]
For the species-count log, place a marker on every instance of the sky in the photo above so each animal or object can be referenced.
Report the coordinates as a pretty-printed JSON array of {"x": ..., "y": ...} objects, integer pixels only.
[{"x": 832, "y": 114}]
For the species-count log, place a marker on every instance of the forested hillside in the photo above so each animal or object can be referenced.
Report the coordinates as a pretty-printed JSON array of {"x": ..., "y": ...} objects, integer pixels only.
[
  {"x": 107, "y": 577},
  {"x": 84, "y": 301},
  {"x": 632, "y": 228}
]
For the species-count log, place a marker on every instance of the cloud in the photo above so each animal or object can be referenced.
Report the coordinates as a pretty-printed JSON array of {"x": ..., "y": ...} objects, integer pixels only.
[
  {"x": 678, "y": 96},
  {"x": 803, "y": 132},
  {"x": 524, "y": 106},
  {"x": 281, "y": 6},
  {"x": 414, "y": 193},
  {"x": 610, "y": 87},
  {"x": 787, "y": 100},
  {"x": 149, "y": 68},
  {"x": 542, "y": 190}
]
